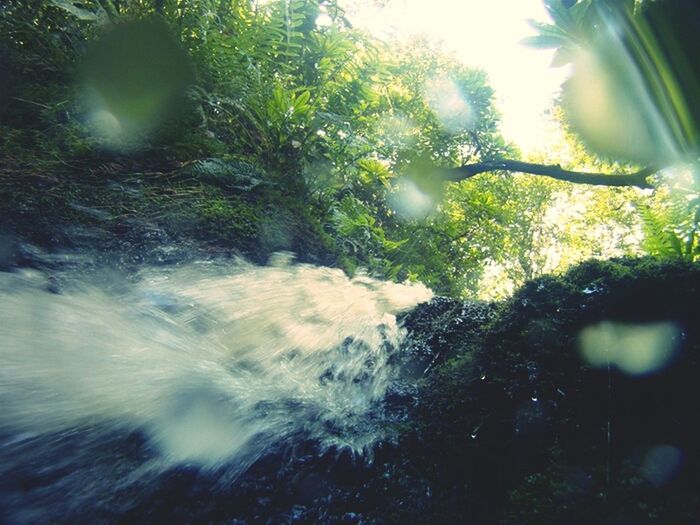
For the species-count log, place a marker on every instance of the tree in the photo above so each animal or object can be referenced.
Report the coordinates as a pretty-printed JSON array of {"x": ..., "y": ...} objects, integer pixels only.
[
  {"x": 337, "y": 125},
  {"x": 635, "y": 92},
  {"x": 638, "y": 179}
]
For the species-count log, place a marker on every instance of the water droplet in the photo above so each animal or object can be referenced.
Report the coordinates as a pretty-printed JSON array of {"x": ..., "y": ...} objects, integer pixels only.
[
  {"x": 474, "y": 434},
  {"x": 592, "y": 289},
  {"x": 661, "y": 464},
  {"x": 483, "y": 376},
  {"x": 560, "y": 392},
  {"x": 534, "y": 398}
]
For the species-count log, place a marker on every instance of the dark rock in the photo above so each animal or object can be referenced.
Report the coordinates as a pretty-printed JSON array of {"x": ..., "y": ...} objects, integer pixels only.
[
  {"x": 494, "y": 417},
  {"x": 497, "y": 431}
]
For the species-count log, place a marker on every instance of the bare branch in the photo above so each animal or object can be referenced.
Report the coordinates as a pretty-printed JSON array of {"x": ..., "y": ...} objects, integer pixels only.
[{"x": 637, "y": 179}]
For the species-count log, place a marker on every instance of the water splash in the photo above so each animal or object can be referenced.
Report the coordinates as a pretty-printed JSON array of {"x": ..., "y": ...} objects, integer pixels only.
[{"x": 213, "y": 361}]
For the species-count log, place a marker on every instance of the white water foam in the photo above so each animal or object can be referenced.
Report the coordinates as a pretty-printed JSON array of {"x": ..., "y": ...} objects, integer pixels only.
[{"x": 213, "y": 361}]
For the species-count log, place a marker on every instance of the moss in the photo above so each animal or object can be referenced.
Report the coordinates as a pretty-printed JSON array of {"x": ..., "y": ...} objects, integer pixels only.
[
  {"x": 230, "y": 221},
  {"x": 122, "y": 202},
  {"x": 513, "y": 428}
]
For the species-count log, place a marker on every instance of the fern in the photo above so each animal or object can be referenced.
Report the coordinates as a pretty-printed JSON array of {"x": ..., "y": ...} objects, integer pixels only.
[
  {"x": 231, "y": 174},
  {"x": 671, "y": 227}
]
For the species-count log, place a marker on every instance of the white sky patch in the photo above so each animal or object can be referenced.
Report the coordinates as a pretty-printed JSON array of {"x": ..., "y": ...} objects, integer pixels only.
[{"x": 486, "y": 34}]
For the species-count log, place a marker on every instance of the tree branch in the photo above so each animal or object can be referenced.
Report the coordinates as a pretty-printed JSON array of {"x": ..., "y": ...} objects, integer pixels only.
[{"x": 637, "y": 179}]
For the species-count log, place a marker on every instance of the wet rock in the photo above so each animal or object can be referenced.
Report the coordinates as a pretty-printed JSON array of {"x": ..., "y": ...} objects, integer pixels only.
[
  {"x": 497, "y": 431},
  {"x": 494, "y": 417}
]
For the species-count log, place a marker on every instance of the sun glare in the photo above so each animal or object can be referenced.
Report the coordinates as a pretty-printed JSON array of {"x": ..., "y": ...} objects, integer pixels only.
[{"x": 484, "y": 34}]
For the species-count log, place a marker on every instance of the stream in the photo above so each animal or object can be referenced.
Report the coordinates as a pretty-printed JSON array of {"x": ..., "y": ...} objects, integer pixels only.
[{"x": 112, "y": 379}]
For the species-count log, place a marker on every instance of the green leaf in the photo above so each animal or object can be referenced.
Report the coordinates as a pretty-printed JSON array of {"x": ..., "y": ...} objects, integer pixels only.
[
  {"x": 544, "y": 41},
  {"x": 78, "y": 12},
  {"x": 547, "y": 29},
  {"x": 561, "y": 15},
  {"x": 675, "y": 243},
  {"x": 580, "y": 10},
  {"x": 302, "y": 99}
]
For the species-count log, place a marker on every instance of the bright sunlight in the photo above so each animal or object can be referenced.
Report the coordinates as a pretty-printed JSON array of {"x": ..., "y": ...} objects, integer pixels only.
[
  {"x": 485, "y": 34},
  {"x": 362, "y": 262}
]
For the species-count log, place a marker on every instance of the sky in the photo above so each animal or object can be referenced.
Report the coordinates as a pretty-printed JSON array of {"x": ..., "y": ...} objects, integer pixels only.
[{"x": 486, "y": 34}]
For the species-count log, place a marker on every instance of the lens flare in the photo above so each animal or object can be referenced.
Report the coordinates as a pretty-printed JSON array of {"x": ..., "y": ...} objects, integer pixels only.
[
  {"x": 661, "y": 464},
  {"x": 409, "y": 202},
  {"x": 635, "y": 350},
  {"x": 449, "y": 105},
  {"x": 105, "y": 126},
  {"x": 611, "y": 99},
  {"x": 133, "y": 77}
]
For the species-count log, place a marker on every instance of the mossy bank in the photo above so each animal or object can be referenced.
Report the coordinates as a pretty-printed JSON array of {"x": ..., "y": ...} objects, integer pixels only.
[{"x": 521, "y": 425}]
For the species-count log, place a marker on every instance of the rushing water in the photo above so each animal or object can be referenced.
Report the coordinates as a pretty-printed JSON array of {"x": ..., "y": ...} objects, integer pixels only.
[{"x": 212, "y": 361}]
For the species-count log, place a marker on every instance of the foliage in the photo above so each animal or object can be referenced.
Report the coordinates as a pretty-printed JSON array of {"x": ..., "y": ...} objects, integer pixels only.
[
  {"x": 631, "y": 64},
  {"x": 647, "y": 84},
  {"x": 670, "y": 224},
  {"x": 320, "y": 123},
  {"x": 323, "y": 113}
]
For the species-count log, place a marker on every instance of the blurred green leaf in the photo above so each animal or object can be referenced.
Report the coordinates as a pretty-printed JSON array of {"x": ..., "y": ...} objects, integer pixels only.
[
  {"x": 544, "y": 41},
  {"x": 78, "y": 12}
]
